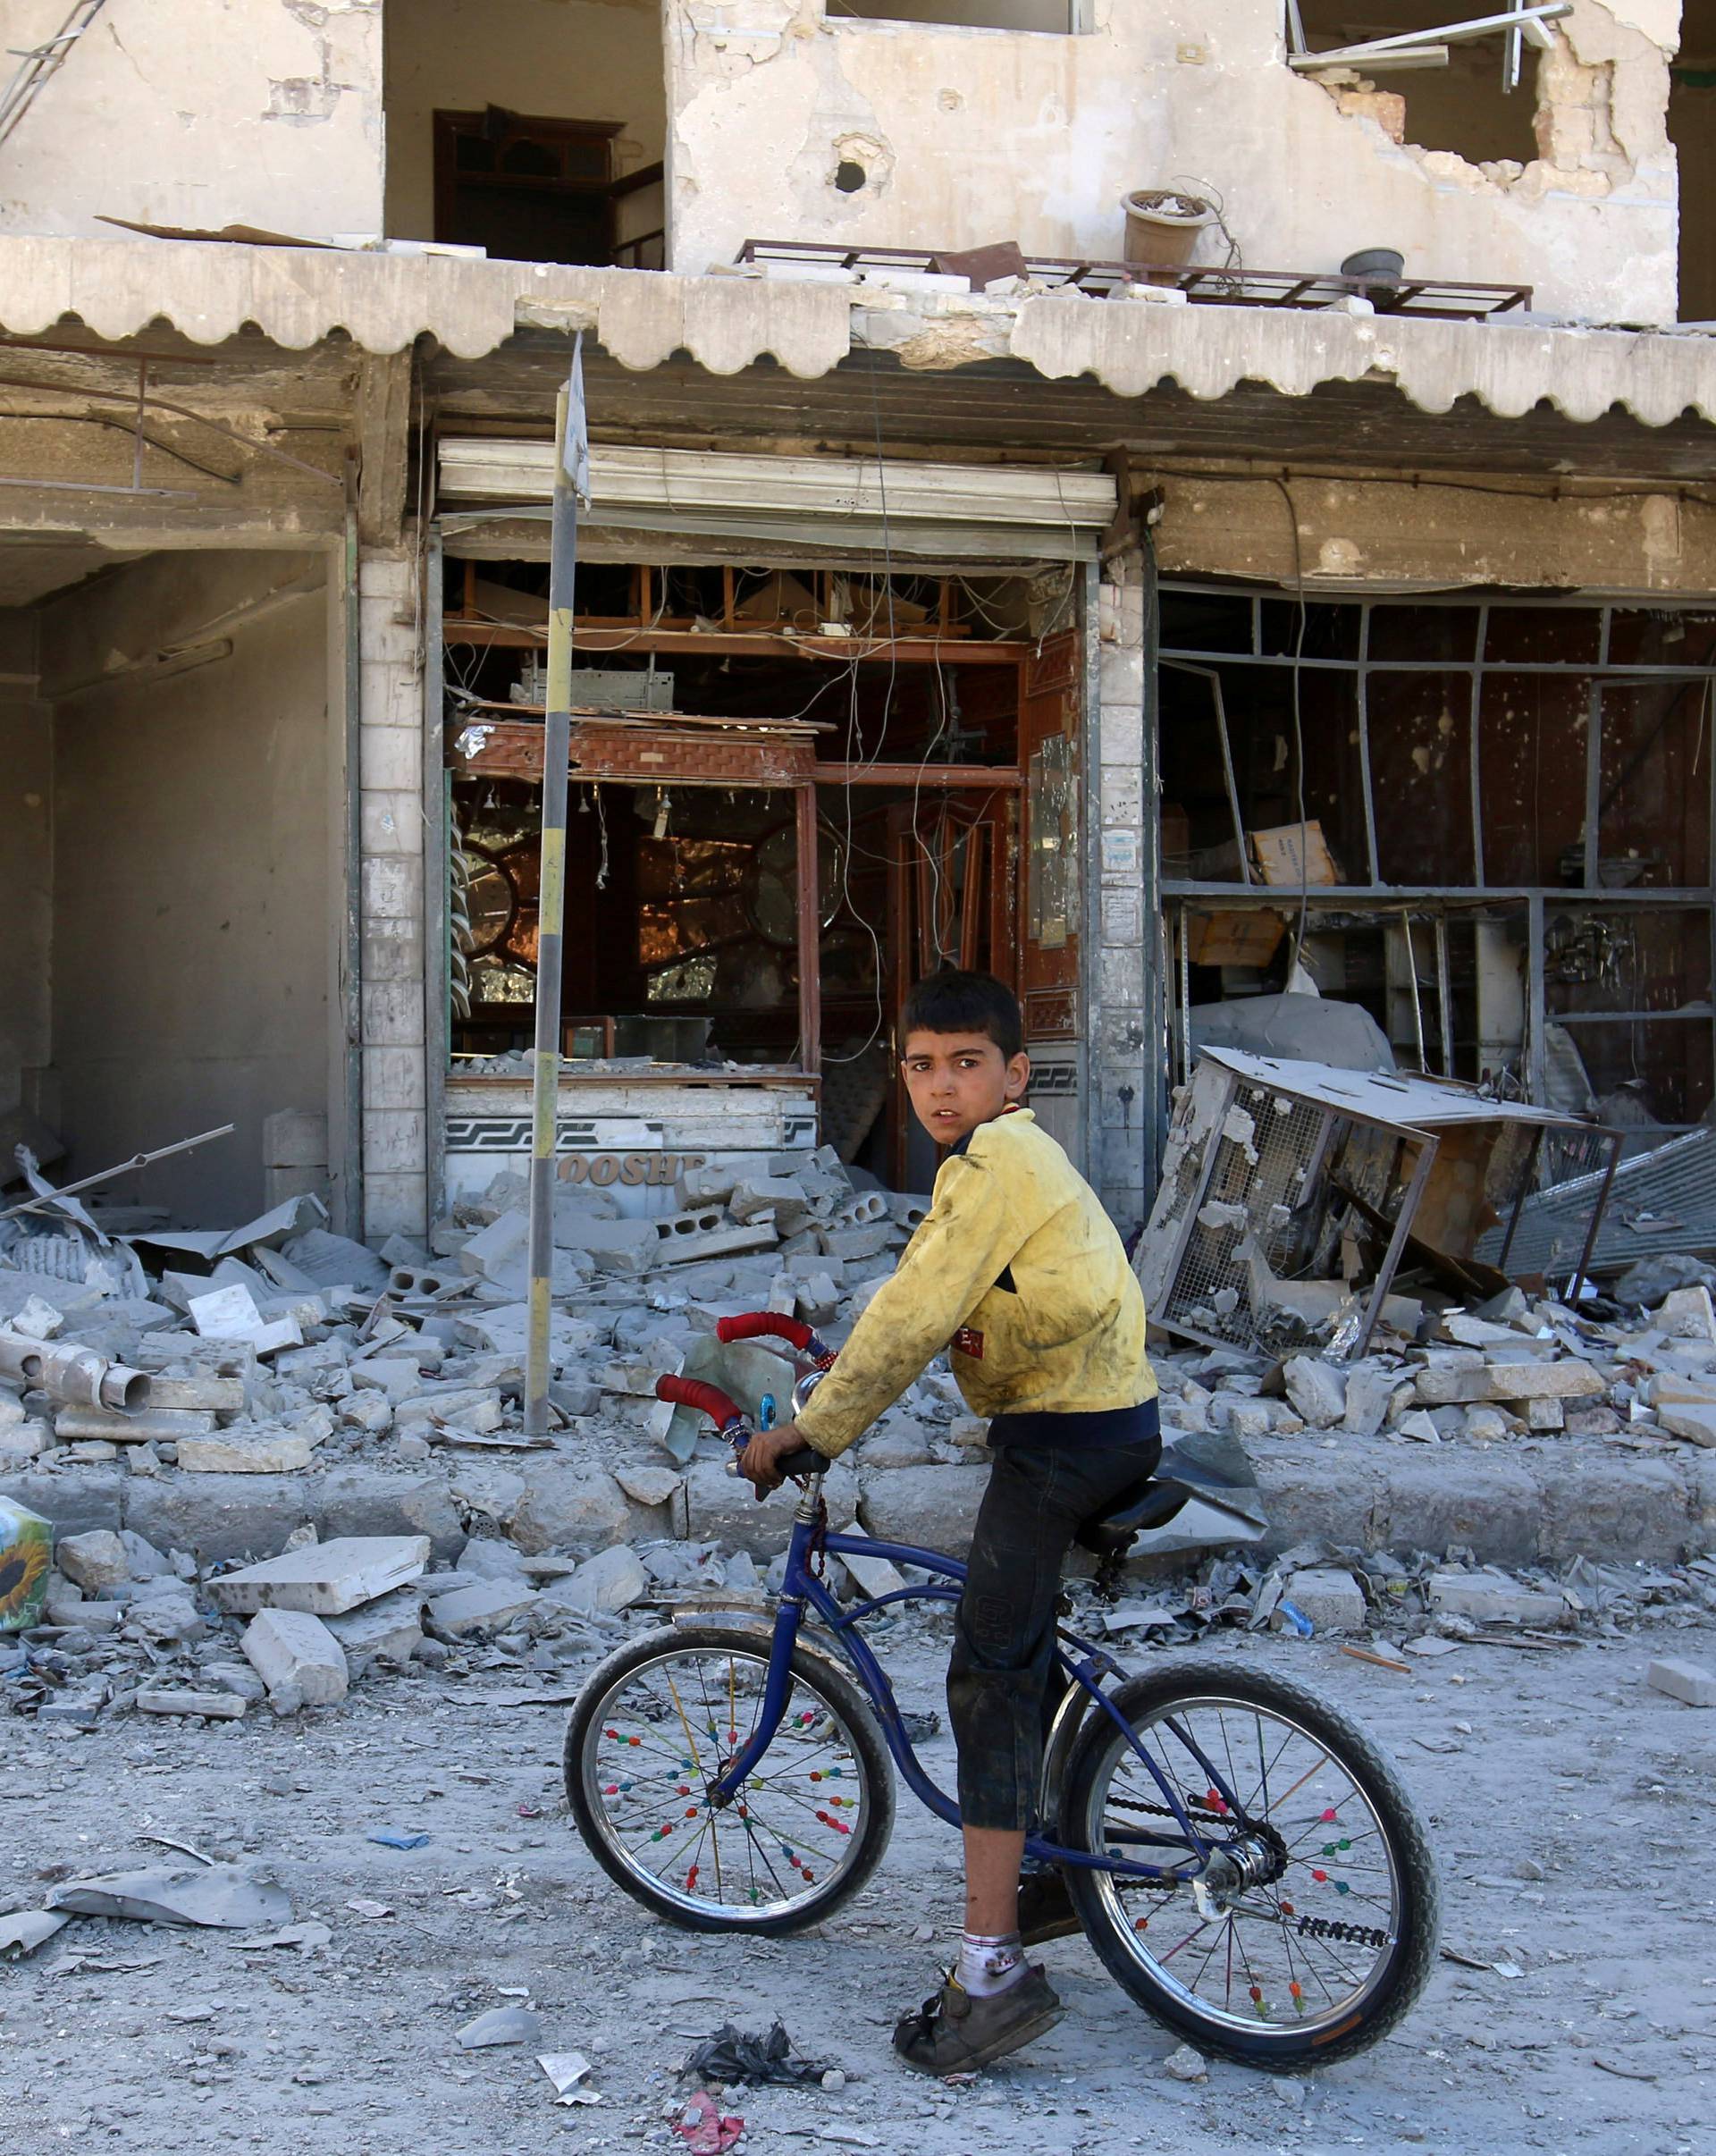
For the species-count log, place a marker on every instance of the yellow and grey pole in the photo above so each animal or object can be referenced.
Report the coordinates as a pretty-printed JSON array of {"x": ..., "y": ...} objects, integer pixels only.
[{"x": 571, "y": 483}]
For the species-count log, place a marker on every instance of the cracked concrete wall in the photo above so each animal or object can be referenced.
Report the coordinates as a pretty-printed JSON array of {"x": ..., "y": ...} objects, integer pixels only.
[
  {"x": 787, "y": 124},
  {"x": 201, "y": 113}
]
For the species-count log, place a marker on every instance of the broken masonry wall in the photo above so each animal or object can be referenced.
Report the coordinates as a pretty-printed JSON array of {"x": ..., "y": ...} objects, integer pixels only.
[
  {"x": 786, "y": 124},
  {"x": 201, "y": 113},
  {"x": 26, "y": 862},
  {"x": 597, "y": 60},
  {"x": 395, "y": 829},
  {"x": 192, "y": 912}
]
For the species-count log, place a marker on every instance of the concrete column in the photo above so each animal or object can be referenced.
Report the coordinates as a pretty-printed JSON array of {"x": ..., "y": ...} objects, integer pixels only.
[
  {"x": 395, "y": 1087},
  {"x": 1121, "y": 1085}
]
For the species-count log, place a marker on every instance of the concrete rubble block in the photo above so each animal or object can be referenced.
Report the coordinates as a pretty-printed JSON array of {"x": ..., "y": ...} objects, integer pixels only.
[
  {"x": 497, "y": 1248},
  {"x": 1695, "y": 1421},
  {"x": 365, "y": 1500},
  {"x": 781, "y": 1197},
  {"x": 1443, "y": 1385},
  {"x": 852, "y": 1243},
  {"x": 231, "y": 1313},
  {"x": 873, "y": 1576},
  {"x": 1569, "y": 1380},
  {"x": 691, "y": 1238},
  {"x": 1689, "y": 1681},
  {"x": 1678, "y": 1388},
  {"x": 1688, "y": 1314},
  {"x": 610, "y": 1581},
  {"x": 325, "y": 1578},
  {"x": 370, "y": 1412},
  {"x": 897, "y": 1441},
  {"x": 492, "y": 1605},
  {"x": 144, "y": 1426},
  {"x": 1317, "y": 1390},
  {"x": 387, "y": 1632},
  {"x": 647, "y": 1484},
  {"x": 1545, "y": 1415},
  {"x": 1369, "y": 1391},
  {"x": 708, "y": 1184},
  {"x": 213, "y": 1706},
  {"x": 1332, "y": 1600},
  {"x": 297, "y": 1657},
  {"x": 475, "y": 1408},
  {"x": 36, "y": 1319},
  {"x": 934, "y": 1507},
  {"x": 1489, "y": 1505},
  {"x": 1422, "y": 1429},
  {"x": 196, "y": 1392},
  {"x": 1487, "y": 1425},
  {"x": 569, "y": 1504},
  {"x": 248, "y": 1449},
  {"x": 396, "y": 1375},
  {"x": 94, "y": 1561},
  {"x": 1492, "y": 1599}
]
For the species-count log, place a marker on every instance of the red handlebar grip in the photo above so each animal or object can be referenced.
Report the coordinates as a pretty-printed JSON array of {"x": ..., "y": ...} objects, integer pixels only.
[
  {"x": 762, "y": 1325},
  {"x": 709, "y": 1399}
]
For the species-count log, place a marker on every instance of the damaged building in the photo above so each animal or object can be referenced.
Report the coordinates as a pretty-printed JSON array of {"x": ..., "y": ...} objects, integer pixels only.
[{"x": 1204, "y": 512}]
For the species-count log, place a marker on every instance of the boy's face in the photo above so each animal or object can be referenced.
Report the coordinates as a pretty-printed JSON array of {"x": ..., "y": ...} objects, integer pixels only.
[{"x": 958, "y": 1081}]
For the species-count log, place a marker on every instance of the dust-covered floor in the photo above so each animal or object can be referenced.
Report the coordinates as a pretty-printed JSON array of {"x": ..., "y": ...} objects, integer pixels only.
[{"x": 1573, "y": 1810}]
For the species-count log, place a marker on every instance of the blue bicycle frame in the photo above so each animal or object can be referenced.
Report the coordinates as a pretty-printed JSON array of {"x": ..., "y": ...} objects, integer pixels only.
[{"x": 1085, "y": 1667}]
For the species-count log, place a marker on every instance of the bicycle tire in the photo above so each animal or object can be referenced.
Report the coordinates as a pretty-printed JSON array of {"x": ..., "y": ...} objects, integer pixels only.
[
  {"x": 584, "y": 1783},
  {"x": 1399, "y": 1975}
]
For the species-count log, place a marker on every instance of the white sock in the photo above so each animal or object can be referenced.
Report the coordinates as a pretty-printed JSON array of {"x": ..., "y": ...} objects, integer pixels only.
[{"x": 988, "y": 1965}]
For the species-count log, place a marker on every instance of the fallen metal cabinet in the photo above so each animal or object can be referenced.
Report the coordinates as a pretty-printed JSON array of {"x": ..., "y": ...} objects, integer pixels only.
[{"x": 1271, "y": 1165}]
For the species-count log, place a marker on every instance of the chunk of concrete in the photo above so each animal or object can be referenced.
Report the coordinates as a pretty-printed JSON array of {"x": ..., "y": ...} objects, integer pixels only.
[
  {"x": 646, "y": 1483},
  {"x": 1492, "y": 1599},
  {"x": 1567, "y": 1380},
  {"x": 489, "y": 1606},
  {"x": 933, "y": 1507},
  {"x": 569, "y": 1505},
  {"x": 387, "y": 1632},
  {"x": 198, "y": 1393},
  {"x": 1317, "y": 1390},
  {"x": 324, "y": 1577},
  {"x": 474, "y": 1408},
  {"x": 611, "y": 1580},
  {"x": 213, "y": 1706},
  {"x": 1689, "y": 1681},
  {"x": 1688, "y": 1314},
  {"x": 1545, "y": 1415},
  {"x": 497, "y": 1249},
  {"x": 295, "y": 1656},
  {"x": 248, "y": 1449},
  {"x": 1332, "y": 1600},
  {"x": 221, "y": 1897},
  {"x": 1694, "y": 1422},
  {"x": 1370, "y": 1392},
  {"x": 873, "y": 1576},
  {"x": 95, "y": 1560}
]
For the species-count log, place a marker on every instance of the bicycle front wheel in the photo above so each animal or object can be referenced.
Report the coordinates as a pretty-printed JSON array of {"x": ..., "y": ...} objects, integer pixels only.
[
  {"x": 1315, "y": 1928},
  {"x": 650, "y": 1735}
]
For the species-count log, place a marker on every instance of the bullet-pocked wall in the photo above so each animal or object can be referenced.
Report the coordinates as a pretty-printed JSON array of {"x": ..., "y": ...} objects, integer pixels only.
[
  {"x": 191, "y": 892},
  {"x": 200, "y": 114},
  {"x": 788, "y": 122}
]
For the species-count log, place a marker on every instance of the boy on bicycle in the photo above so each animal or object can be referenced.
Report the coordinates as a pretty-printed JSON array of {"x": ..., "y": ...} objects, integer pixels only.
[{"x": 1019, "y": 1273}]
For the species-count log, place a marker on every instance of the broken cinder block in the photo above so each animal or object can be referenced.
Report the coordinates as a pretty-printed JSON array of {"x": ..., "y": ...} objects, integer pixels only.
[{"x": 297, "y": 1657}]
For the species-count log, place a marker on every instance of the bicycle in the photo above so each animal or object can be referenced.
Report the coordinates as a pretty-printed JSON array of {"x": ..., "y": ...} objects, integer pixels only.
[{"x": 1242, "y": 1856}]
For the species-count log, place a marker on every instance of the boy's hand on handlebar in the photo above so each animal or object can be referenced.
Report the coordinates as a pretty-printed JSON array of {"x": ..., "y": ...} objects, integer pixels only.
[{"x": 759, "y": 1463}]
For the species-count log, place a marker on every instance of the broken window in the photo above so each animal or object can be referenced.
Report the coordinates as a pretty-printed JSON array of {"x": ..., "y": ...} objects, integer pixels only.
[
  {"x": 1485, "y": 825},
  {"x": 1428, "y": 75}
]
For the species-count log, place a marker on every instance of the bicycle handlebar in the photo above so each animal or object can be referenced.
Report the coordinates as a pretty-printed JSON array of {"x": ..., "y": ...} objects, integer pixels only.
[
  {"x": 708, "y": 1399},
  {"x": 763, "y": 1324}
]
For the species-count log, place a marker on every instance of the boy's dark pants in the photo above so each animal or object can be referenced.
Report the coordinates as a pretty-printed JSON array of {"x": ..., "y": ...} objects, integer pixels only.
[{"x": 999, "y": 1679}]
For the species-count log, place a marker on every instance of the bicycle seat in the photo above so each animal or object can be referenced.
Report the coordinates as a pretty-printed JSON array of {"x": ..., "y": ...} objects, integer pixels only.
[{"x": 1139, "y": 1507}]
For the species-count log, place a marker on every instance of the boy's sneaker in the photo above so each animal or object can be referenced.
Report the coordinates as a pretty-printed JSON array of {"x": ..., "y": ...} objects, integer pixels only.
[
  {"x": 954, "y": 2033},
  {"x": 1046, "y": 1908}
]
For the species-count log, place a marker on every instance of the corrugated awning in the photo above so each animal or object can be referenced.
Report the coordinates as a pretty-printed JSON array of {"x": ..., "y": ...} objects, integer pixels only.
[
  {"x": 210, "y": 291},
  {"x": 1010, "y": 511}
]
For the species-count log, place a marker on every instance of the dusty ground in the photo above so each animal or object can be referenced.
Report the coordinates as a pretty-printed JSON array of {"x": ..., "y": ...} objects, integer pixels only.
[{"x": 1574, "y": 1813}]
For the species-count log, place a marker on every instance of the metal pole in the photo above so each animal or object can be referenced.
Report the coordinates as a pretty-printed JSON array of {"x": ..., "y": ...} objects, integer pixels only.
[{"x": 570, "y": 461}]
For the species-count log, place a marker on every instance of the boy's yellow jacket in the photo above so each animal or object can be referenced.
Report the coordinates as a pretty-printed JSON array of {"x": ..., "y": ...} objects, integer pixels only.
[{"x": 1067, "y": 1337}]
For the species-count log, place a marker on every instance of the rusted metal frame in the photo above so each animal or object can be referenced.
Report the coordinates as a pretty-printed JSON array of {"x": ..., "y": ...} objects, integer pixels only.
[
  {"x": 956, "y": 778},
  {"x": 1362, "y": 699},
  {"x": 810, "y": 933},
  {"x": 1412, "y": 981},
  {"x": 1527, "y": 1183},
  {"x": 739, "y": 643},
  {"x": 1407, "y": 1212},
  {"x": 1473, "y": 747},
  {"x": 1598, "y": 1209}
]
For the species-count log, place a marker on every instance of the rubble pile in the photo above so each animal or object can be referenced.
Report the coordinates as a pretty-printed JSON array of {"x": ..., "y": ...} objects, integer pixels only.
[{"x": 1635, "y": 1368}]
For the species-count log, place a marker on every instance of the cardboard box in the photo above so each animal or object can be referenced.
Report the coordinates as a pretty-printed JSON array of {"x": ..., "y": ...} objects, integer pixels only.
[
  {"x": 1247, "y": 936},
  {"x": 1275, "y": 855}
]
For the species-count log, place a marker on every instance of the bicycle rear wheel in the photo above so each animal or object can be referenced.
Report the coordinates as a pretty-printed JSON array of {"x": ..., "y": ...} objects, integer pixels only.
[
  {"x": 649, "y": 1736},
  {"x": 1315, "y": 1929}
]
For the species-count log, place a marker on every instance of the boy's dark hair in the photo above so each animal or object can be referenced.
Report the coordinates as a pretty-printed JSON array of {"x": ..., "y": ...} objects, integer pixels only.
[{"x": 957, "y": 1002}]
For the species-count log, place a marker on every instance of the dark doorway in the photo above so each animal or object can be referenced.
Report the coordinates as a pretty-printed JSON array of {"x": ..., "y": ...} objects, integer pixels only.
[{"x": 524, "y": 189}]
